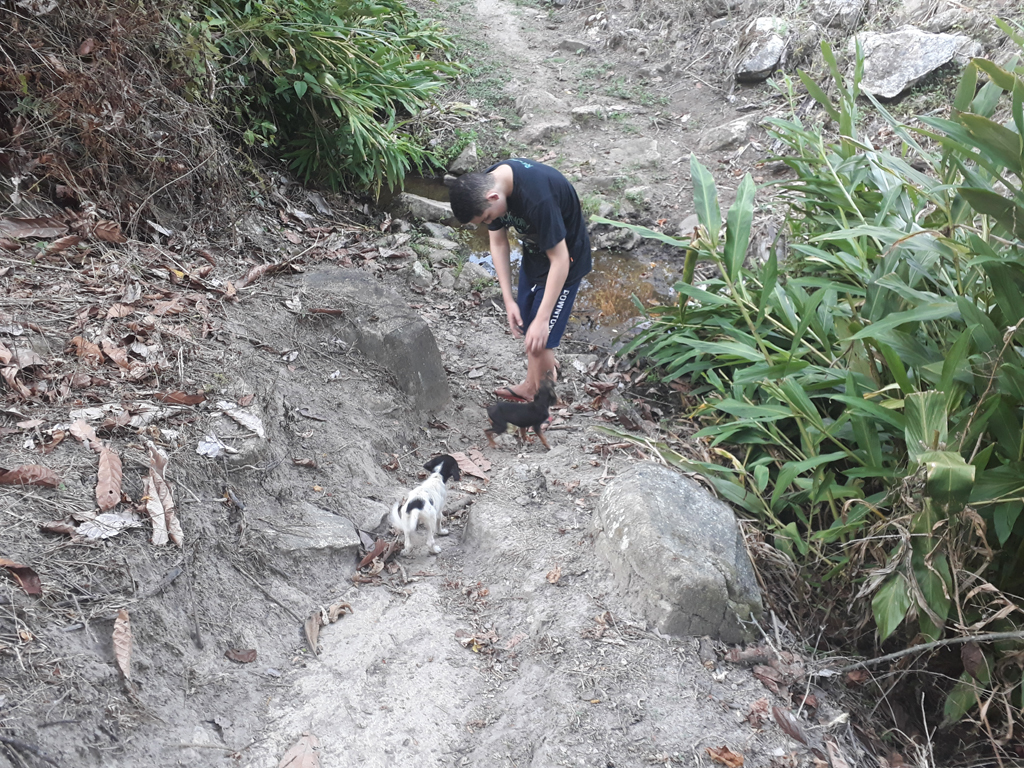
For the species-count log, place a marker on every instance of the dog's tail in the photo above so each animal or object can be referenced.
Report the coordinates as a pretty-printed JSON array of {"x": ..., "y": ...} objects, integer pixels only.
[{"x": 406, "y": 522}]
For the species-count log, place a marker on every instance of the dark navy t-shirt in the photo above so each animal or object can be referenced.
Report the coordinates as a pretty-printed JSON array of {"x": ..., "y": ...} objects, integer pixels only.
[{"x": 544, "y": 209}]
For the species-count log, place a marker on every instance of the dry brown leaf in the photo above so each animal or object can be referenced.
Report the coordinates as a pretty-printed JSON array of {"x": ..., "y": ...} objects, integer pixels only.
[
  {"x": 159, "y": 502},
  {"x": 87, "y": 351},
  {"x": 26, "y": 358},
  {"x": 58, "y": 438},
  {"x": 43, "y": 227},
  {"x": 309, "y": 463},
  {"x": 787, "y": 722},
  {"x": 5, "y": 354},
  {"x": 337, "y": 610},
  {"x": 119, "y": 310},
  {"x": 312, "y": 628},
  {"x": 63, "y": 527},
  {"x": 246, "y": 656},
  {"x": 87, "y": 47},
  {"x": 468, "y": 466},
  {"x": 305, "y": 753},
  {"x": 256, "y": 273},
  {"x": 172, "y": 307},
  {"x": 835, "y": 755},
  {"x": 27, "y": 579},
  {"x": 10, "y": 375},
  {"x": 62, "y": 244},
  {"x": 123, "y": 643},
  {"x": 179, "y": 398},
  {"x": 29, "y": 474},
  {"x": 108, "y": 484},
  {"x": 554, "y": 574},
  {"x": 725, "y": 756},
  {"x": 83, "y": 432},
  {"x": 973, "y": 659},
  {"x": 116, "y": 354},
  {"x": 109, "y": 231},
  {"x": 479, "y": 459},
  {"x": 30, "y": 423}
]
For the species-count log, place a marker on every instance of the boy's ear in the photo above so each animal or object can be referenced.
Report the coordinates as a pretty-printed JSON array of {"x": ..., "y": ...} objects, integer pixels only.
[{"x": 493, "y": 196}]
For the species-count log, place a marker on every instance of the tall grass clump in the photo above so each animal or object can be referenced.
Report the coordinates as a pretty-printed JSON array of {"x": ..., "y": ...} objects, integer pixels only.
[
  {"x": 331, "y": 85},
  {"x": 864, "y": 389}
]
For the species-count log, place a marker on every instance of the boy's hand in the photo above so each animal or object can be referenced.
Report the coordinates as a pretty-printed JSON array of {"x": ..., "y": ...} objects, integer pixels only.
[
  {"x": 515, "y": 320},
  {"x": 536, "y": 337}
]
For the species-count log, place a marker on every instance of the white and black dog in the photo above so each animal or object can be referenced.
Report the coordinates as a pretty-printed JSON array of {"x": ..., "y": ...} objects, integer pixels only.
[{"x": 426, "y": 502}]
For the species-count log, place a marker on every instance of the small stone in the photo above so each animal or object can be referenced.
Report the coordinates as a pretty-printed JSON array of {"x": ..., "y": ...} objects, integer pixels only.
[
  {"x": 762, "y": 50},
  {"x": 420, "y": 275},
  {"x": 466, "y": 162},
  {"x": 728, "y": 135},
  {"x": 574, "y": 46}
]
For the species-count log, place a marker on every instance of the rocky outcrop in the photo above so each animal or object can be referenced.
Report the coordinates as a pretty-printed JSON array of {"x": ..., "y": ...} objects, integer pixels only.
[
  {"x": 380, "y": 324},
  {"x": 895, "y": 61},
  {"x": 679, "y": 552}
]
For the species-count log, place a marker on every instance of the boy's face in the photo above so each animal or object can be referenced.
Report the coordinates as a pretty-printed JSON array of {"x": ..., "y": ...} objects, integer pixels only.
[{"x": 498, "y": 207}]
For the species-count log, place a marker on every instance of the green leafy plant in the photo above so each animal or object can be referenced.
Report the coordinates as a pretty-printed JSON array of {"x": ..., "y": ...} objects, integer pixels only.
[
  {"x": 332, "y": 84},
  {"x": 863, "y": 392}
]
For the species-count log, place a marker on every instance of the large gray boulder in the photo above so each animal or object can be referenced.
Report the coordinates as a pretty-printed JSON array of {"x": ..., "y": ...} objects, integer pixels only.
[
  {"x": 420, "y": 208},
  {"x": 382, "y": 326},
  {"x": 678, "y": 552},
  {"x": 895, "y": 61}
]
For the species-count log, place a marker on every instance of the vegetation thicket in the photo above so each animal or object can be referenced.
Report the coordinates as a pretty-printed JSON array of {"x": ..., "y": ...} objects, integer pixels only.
[
  {"x": 861, "y": 392},
  {"x": 333, "y": 85}
]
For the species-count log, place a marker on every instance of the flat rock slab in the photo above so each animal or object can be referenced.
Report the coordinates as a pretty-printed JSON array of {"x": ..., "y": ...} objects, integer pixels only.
[
  {"x": 679, "y": 552},
  {"x": 896, "y": 61},
  {"x": 382, "y": 326},
  {"x": 310, "y": 529},
  {"x": 420, "y": 208}
]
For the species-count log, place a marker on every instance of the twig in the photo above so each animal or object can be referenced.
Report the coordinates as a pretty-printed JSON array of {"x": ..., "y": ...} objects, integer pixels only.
[
  {"x": 989, "y": 638},
  {"x": 266, "y": 592},
  {"x": 24, "y": 746}
]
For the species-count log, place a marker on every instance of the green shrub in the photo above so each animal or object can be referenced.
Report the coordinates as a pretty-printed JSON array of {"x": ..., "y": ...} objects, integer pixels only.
[
  {"x": 867, "y": 393},
  {"x": 331, "y": 84}
]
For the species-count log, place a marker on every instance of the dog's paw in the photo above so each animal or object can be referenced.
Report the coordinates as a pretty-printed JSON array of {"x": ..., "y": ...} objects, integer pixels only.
[
  {"x": 436, "y": 549},
  {"x": 443, "y": 531}
]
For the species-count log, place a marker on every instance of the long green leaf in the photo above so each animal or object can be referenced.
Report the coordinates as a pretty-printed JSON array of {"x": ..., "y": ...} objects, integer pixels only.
[
  {"x": 890, "y": 604},
  {"x": 927, "y": 426},
  {"x": 737, "y": 233},
  {"x": 932, "y": 311},
  {"x": 705, "y": 199}
]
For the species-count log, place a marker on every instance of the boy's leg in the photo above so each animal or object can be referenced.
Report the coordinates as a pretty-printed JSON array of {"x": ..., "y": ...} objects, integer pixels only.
[{"x": 542, "y": 364}]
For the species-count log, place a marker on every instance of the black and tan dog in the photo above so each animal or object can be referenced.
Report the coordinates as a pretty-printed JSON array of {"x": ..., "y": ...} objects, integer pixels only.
[{"x": 522, "y": 415}]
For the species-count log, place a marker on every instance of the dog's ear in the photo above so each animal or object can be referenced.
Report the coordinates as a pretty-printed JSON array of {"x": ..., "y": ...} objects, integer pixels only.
[
  {"x": 434, "y": 463},
  {"x": 456, "y": 473}
]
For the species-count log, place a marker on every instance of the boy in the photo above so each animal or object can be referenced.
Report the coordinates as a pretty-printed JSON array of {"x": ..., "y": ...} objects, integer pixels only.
[{"x": 544, "y": 209}]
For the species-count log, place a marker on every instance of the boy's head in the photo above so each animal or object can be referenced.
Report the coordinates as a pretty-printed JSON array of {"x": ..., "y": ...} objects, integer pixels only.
[{"x": 475, "y": 199}]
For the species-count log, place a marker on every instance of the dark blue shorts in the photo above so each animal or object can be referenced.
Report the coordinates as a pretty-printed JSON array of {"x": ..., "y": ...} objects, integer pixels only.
[{"x": 529, "y": 299}]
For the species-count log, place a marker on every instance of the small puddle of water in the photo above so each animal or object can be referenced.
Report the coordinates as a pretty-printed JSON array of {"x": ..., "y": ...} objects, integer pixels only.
[{"x": 604, "y": 306}]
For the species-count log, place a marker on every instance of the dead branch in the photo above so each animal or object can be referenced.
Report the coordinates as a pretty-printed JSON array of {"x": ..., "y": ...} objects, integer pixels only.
[{"x": 925, "y": 647}]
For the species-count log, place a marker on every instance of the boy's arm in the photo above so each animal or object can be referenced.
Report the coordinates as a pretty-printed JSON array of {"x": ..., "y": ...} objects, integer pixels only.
[
  {"x": 501, "y": 253},
  {"x": 537, "y": 333}
]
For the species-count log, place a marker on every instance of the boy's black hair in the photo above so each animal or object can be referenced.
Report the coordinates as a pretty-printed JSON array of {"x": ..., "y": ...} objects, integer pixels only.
[{"x": 468, "y": 195}]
